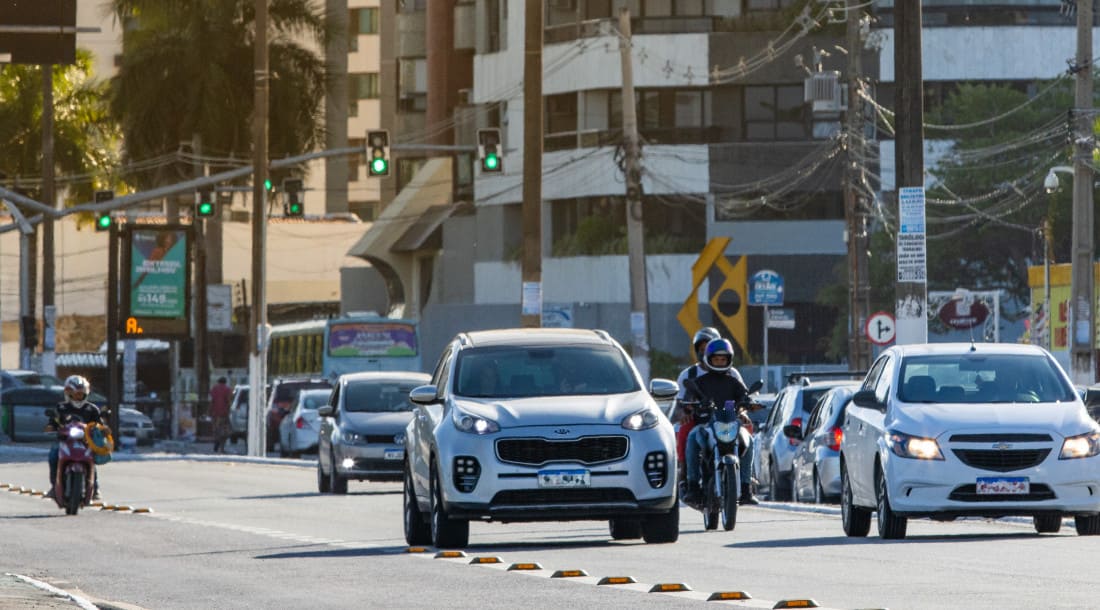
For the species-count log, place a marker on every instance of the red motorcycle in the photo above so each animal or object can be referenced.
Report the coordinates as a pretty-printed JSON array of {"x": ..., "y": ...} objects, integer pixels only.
[{"x": 76, "y": 461}]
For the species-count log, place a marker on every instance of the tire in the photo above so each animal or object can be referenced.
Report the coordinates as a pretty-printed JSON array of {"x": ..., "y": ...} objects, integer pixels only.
[
  {"x": 337, "y": 483},
  {"x": 324, "y": 485},
  {"x": 856, "y": 520},
  {"x": 779, "y": 492},
  {"x": 710, "y": 505},
  {"x": 417, "y": 530},
  {"x": 74, "y": 492},
  {"x": 1047, "y": 524},
  {"x": 794, "y": 487},
  {"x": 625, "y": 529},
  {"x": 662, "y": 529},
  {"x": 731, "y": 490},
  {"x": 890, "y": 526},
  {"x": 446, "y": 532},
  {"x": 819, "y": 492},
  {"x": 1087, "y": 525}
]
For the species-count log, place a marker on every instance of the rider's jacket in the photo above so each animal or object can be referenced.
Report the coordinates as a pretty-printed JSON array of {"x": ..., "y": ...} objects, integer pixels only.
[
  {"x": 717, "y": 387},
  {"x": 84, "y": 411}
]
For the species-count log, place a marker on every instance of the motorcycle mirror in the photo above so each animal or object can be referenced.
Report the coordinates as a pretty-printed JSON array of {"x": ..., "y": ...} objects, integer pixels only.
[{"x": 755, "y": 387}]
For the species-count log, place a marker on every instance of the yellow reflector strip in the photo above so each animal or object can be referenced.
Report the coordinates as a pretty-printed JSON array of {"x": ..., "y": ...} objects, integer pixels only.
[
  {"x": 568, "y": 574},
  {"x": 5, "y": 485},
  {"x": 449, "y": 554},
  {"x": 669, "y": 587},
  {"x": 124, "y": 508},
  {"x": 107, "y": 507},
  {"x": 726, "y": 595},
  {"x": 616, "y": 580},
  {"x": 416, "y": 549},
  {"x": 796, "y": 603},
  {"x": 143, "y": 510},
  {"x": 485, "y": 560},
  {"x": 97, "y": 503},
  {"x": 35, "y": 492},
  {"x": 525, "y": 566}
]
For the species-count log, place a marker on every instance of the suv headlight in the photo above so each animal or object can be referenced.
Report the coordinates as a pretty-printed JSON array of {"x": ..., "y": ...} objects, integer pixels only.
[
  {"x": 642, "y": 420},
  {"x": 913, "y": 447},
  {"x": 1080, "y": 446},
  {"x": 474, "y": 424},
  {"x": 353, "y": 438}
]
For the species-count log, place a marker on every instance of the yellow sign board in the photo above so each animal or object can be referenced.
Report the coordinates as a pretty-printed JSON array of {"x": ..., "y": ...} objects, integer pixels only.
[{"x": 736, "y": 322}]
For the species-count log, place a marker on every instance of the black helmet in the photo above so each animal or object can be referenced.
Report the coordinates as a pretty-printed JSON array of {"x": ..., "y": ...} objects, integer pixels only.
[
  {"x": 702, "y": 337},
  {"x": 718, "y": 347}
]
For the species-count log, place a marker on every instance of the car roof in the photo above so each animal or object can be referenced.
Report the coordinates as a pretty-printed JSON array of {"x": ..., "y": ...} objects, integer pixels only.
[
  {"x": 932, "y": 349},
  {"x": 385, "y": 375},
  {"x": 535, "y": 336},
  {"x": 829, "y": 383}
]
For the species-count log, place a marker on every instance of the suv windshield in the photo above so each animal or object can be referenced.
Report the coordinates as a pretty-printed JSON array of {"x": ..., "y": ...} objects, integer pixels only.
[
  {"x": 982, "y": 378},
  {"x": 515, "y": 371},
  {"x": 377, "y": 396}
]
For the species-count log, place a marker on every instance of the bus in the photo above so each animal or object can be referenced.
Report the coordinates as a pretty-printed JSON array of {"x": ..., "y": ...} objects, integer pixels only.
[{"x": 330, "y": 348}]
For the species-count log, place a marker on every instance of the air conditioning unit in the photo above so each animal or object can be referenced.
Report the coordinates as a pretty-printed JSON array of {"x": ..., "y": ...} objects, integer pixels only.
[{"x": 823, "y": 91}]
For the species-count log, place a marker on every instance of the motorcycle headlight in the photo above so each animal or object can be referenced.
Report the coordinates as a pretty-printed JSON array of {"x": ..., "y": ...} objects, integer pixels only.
[
  {"x": 913, "y": 447},
  {"x": 725, "y": 432},
  {"x": 642, "y": 420},
  {"x": 474, "y": 424},
  {"x": 1080, "y": 446},
  {"x": 76, "y": 433}
]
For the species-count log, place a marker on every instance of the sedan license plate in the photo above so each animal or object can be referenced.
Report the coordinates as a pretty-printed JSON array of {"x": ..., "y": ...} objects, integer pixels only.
[
  {"x": 393, "y": 454},
  {"x": 564, "y": 478},
  {"x": 1003, "y": 485}
]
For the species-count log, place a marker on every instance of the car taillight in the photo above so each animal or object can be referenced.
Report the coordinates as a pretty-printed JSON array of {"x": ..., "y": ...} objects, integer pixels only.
[
  {"x": 838, "y": 436},
  {"x": 300, "y": 423},
  {"x": 794, "y": 442}
]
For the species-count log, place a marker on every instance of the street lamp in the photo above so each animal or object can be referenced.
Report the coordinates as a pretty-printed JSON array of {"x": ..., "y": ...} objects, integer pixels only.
[
  {"x": 1051, "y": 182},
  {"x": 1051, "y": 185}
]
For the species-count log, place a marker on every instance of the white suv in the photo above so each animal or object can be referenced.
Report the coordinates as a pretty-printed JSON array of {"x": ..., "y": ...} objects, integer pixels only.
[{"x": 951, "y": 430}]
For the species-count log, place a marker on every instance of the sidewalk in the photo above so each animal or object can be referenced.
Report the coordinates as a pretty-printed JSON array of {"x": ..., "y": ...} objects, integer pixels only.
[{"x": 19, "y": 593}]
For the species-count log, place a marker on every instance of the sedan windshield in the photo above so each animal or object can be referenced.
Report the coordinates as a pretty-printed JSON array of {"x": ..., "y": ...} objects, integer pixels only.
[
  {"x": 983, "y": 378},
  {"x": 378, "y": 396},
  {"x": 312, "y": 399},
  {"x": 516, "y": 371}
]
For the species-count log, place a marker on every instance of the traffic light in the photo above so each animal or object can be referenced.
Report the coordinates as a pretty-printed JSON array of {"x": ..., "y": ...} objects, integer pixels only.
[
  {"x": 488, "y": 150},
  {"x": 206, "y": 206},
  {"x": 293, "y": 206},
  {"x": 378, "y": 153},
  {"x": 103, "y": 219}
]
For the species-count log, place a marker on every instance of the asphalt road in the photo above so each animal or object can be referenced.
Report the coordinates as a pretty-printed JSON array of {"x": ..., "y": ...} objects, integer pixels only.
[{"x": 247, "y": 535}]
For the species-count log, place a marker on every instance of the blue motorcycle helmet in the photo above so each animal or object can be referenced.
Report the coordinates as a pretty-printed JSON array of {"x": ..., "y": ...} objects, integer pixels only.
[{"x": 718, "y": 347}]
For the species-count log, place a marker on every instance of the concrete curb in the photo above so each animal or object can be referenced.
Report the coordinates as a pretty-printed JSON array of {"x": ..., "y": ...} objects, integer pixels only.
[
  {"x": 118, "y": 456},
  {"x": 38, "y": 584}
]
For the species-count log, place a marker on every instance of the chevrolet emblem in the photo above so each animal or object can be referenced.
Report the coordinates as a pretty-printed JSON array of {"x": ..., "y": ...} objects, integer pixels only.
[{"x": 1002, "y": 446}]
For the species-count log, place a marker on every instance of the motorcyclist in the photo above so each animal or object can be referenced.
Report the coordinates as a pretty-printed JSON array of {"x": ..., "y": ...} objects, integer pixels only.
[
  {"x": 716, "y": 385},
  {"x": 75, "y": 406},
  {"x": 683, "y": 413}
]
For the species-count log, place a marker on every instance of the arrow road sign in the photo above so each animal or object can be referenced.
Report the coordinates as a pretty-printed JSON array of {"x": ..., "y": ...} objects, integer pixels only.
[{"x": 880, "y": 328}]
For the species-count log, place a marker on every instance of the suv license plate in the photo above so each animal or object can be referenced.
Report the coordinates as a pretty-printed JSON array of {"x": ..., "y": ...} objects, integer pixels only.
[
  {"x": 564, "y": 478},
  {"x": 1003, "y": 485},
  {"x": 393, "y": 454}
]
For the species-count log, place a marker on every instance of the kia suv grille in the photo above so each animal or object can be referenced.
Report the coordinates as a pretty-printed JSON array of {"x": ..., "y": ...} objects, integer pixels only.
[{"x": 587, "y": 450}]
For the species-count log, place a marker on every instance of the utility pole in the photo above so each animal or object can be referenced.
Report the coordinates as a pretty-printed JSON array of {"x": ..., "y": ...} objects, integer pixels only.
[
  {"x": 1083, "y": 362},
  {"x": 49, "y": 198},
  {"x": 858, "y": 352},
  {"x": 635, "y": 228},
  {"x": 911, "y": 288},
  {"x": 531, "y": 293},
  {"x": 257, "y": 366},
  {"x": 202, "y": 362}
]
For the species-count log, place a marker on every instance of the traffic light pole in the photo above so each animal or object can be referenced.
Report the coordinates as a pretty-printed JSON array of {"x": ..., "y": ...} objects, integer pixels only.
[
  {"x": 257, "y": 370},
  {"x": 113, "y": 377}
]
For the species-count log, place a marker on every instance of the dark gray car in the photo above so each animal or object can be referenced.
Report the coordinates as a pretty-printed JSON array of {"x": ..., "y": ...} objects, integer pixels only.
[{"x": 362, "y": 434}]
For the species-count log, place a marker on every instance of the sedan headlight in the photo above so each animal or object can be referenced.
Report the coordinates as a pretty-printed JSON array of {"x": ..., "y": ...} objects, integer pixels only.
[
  {"x": 474, "y": 424},
  {"x": 913, "y": 447},
  {"x": 1080, "y": 446},
  {"x": 353, "y": 438},
  {"x": 642, "y": 420}
]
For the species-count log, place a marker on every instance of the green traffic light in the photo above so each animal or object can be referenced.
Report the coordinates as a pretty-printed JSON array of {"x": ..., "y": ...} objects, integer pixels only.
[
  {"x": 492, "y": 162},
  {"x": 267, "y": 184},
  {"x": 378, "y": 165},
  {"x": 206, "y": 209},
  {"x": 295, "y": 209},
  {"x": 103, "y": 222}
]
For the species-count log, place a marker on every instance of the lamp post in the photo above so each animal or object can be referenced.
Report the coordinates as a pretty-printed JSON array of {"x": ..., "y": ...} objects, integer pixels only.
[{"x": 1051, "y": 185}]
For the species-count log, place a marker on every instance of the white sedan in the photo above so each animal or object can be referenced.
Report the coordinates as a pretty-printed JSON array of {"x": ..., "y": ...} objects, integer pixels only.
[{"x": 954, "y": 430}]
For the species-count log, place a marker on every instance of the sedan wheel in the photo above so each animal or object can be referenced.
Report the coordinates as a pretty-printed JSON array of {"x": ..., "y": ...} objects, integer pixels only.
[
  {"x": 890, "y": 526},
  {"x": 337, "y": 483},
  {"x": 819, "y": 493},
  {"x": 625, "y": 529},
  {"x": 323, "y": 484},
  {"x": 446, "y": 532},
  {"x": 1047, "y": 524},
  {"x": 856, "y": 520}
]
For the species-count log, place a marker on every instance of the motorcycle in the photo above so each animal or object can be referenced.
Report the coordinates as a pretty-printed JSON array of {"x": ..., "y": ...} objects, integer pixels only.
[
  {"x": 724, "y": 440},
  {"x": 81, "y": 447}
]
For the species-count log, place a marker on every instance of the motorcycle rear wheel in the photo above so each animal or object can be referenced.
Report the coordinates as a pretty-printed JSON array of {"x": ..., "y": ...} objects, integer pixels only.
[
  {"x": 730, "y": 491},
  {"x": 74, "y": 492}
]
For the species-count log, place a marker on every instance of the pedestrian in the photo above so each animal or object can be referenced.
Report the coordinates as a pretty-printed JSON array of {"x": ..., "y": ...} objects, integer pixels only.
[{"x": 220, "y": 395}]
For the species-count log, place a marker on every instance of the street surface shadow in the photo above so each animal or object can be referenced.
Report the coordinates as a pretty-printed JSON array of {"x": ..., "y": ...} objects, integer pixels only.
[
  {"x": 374, "y": 551},
  {"x": 314, "y": 494},
  {"x": 822, "y": 541}
]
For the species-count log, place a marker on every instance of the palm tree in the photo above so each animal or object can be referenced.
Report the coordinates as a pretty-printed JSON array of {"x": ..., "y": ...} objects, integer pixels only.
[
  {"x": 85, "y": 137},
  {"x": 186, "y": 70}
]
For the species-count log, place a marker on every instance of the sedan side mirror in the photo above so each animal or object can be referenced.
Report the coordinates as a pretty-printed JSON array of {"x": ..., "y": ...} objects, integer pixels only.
[
  {"x": 793, "y": 431},
  {"x": 325, "y": 411},
  {"x": 424, "y": 395},
  {"x": 663, "y": 389},
  {"x": 867, "y": 398}
]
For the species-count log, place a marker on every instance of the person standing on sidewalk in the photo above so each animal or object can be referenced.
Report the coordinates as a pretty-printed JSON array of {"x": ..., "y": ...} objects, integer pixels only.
[{"x": 220, "y": 396}]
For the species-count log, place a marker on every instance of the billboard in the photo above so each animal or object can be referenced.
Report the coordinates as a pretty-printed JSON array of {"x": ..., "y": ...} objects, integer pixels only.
[{"x": 156, "y": 281}]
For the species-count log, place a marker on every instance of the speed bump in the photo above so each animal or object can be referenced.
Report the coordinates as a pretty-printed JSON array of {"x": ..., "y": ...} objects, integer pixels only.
[
  {"x": 450, "y": 554},
  {"x": 485, "y": 560},
  {"x": 795, "y": 603},
  {"x": 5, "y": 485},
  {"x": 720, "y": 596},
  {"x": 616, "y": 580},
  {"x": 107, "y": 507},
  {"x": 669, "y": 587},
  {"x": 525, "y": 566},
  {"x": 142, "y": 510},
  {"x": 569, "y": 574},
  {"x": 123, "y": 508}
]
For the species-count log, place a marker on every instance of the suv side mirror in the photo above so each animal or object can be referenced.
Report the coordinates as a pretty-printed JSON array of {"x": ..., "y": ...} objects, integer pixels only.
[
  {"x": 867, "y": 398},
  {"x": 424, "y": 395},
  {"x": 793, "y": 431}
]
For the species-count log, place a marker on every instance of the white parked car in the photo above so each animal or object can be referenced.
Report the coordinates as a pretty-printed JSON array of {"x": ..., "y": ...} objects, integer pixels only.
[
  {"x": 954, "y": 430},
  {"x": 298, "y": 431},
  {"x": 539, "y": 425}
]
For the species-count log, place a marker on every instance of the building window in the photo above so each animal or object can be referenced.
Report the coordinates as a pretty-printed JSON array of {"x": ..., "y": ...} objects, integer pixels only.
[
  {"x": 364, "y": 86},
  {"x": 412, "y": 84},
  {"x": 493, "y": 25},
  {"x": 775, "y": 113},
  {"x": 561, "y": 113},
  {"x": 413, "y": 6},
  {"x": 365, "y": 20}
]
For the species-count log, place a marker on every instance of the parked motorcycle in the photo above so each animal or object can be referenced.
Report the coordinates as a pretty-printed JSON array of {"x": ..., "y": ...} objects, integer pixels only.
[
  {"x": 81, "y": 447},
  {"x": 724, "y": 440}
]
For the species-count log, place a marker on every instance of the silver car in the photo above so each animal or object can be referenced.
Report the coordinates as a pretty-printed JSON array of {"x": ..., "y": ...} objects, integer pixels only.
[
  {"x": 539, "y": 425},
  {"x": 299, "y": 430},
  {"x": 132, "y": 422},
  {"x": 363, "y": 428},
  {"x": 815, "y": 475}
]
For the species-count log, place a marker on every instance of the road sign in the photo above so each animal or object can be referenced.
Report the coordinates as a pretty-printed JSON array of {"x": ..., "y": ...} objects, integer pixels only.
[
  {"x": 880, "y": 328},
  {"x": 766, "y": 288}
]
